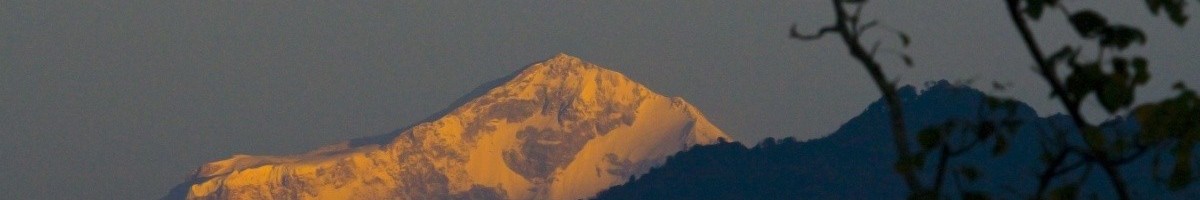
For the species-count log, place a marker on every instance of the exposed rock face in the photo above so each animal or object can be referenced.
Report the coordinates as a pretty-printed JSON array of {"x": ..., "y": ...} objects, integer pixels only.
[{"x": 559, "y": 129}]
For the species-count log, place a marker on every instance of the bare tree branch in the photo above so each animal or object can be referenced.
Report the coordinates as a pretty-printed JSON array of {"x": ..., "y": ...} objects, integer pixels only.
[
  {"x": 899, "y": 131},
  {"x": 1047, "y": 71},
  {"x": 820, "y": 33}
]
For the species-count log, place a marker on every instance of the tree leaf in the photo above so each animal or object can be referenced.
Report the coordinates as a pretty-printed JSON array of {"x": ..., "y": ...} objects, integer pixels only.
[
  {"x": 1088, "y": 23},
  {"x": 1085, "y": 79},
  {"x": 1120, "y": 36},
  {"x": 986, "y": 129},
  {"x": 929, "y": 137},
  {"x": 1140, "y": 75},
  {"x": 1175, "y": 11},
  {"x": 971, "y": 173},
  {"x": 1181, "y": 174},
  {"x": 1114, "y": 95},
  {"x": 1155, "y": 6},
  {"x": 1063, "y": 53},
  {"x": 854, "y": 1},
  {"x": 1034, "y": 8},
  {"x": 1046, "y": 157},
  {"x": 974, "y": 195},
  {"x": 1070, "y": 191},
  {"x": 910, "y": 163},
  {"x": 1093, "y": 137},
  {"x": 1149, "y": 115},
  {"x": 1120, "y": 65},
  {"x": 1120, "y": 145}
]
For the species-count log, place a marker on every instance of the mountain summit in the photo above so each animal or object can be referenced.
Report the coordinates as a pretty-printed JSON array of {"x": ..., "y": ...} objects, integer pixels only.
[{"x": 559, "y": 129}]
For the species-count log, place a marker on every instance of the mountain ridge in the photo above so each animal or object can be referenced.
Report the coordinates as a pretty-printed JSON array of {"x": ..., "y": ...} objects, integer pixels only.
[{"x": 857, "y": 160}]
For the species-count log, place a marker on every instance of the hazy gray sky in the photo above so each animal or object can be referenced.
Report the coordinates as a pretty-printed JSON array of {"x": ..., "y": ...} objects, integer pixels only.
[{"x": 104, "y": 100}]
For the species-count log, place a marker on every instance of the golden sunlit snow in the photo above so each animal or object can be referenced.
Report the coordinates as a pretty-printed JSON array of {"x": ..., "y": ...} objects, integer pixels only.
[{"x": 559, "y": 129}]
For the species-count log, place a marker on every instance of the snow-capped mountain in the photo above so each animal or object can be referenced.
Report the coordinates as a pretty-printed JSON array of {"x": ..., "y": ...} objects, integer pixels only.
[{"x": 559, "y": 129}]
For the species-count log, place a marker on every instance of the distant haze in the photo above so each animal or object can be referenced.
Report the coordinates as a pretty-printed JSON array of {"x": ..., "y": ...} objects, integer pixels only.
[{"x": 104, "y": 100}]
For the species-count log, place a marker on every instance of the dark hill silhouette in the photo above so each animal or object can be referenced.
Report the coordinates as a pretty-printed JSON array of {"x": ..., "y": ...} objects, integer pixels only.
[{"x": 856, "y": 161}]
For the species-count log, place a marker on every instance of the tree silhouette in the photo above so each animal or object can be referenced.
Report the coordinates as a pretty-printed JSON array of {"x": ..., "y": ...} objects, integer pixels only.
[{"x": 1169, "y": 133}]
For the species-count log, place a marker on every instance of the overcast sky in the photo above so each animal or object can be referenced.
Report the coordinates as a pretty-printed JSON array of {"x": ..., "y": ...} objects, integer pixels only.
[{"x": 123, "y": 100}]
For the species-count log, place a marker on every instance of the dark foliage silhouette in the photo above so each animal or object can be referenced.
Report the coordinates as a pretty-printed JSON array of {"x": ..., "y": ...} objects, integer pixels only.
[{"x": 1112, "y": 76}]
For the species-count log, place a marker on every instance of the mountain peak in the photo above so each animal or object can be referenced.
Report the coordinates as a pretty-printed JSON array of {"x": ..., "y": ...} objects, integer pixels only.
[
  {"x": 568, "y": 80},
  {"x": 561, "y": 62},
  {"x": 562, "y": 128},
  {"x": 561, "y": 65},
  {"x": 561, "y": 56}
]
